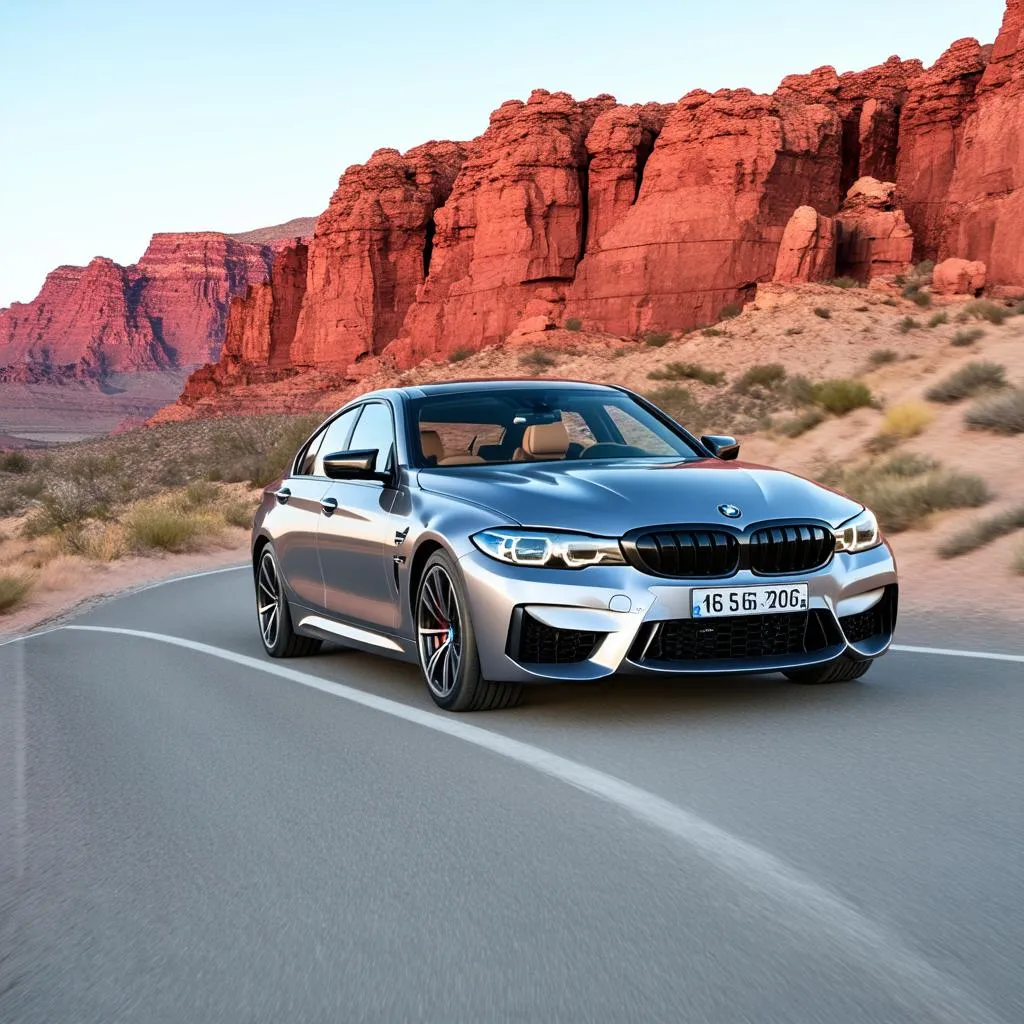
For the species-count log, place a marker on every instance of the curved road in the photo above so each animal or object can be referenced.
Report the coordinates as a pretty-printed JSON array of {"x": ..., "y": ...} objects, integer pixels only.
[{"x": 191, "y": 832}]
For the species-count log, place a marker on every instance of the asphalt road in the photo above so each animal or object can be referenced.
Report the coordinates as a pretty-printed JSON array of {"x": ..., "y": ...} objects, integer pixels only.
[{"x": 187, "y": 836}]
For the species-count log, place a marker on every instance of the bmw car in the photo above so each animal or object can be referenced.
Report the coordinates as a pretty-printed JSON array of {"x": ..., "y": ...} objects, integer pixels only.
[{"x": 502, "y": 533}]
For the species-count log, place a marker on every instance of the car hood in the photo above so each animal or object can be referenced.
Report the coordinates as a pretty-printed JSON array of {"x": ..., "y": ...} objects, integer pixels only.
[{"x": 611, "y": 498}]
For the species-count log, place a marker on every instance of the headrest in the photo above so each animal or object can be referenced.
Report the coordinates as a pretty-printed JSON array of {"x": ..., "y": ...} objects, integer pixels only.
[
  {"x": 542, "y": 439},
  {"x": 430, "y": 442}
]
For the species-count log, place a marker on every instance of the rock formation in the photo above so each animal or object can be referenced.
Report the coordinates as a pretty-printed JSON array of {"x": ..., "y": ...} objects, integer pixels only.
[
  {"x": 807, "y": 251},
  {"x": 958, "y": 277},
  {"x": 874, "y": 237}
]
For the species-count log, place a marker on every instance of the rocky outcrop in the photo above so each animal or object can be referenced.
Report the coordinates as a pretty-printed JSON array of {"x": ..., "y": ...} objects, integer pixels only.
[
  {"x": 808, "y": 248},
  {"x": 985, "y": 206},
  {"x": 168, "y": 310},
  {"x": 958, "y": 277},
  {"x": 874, "y": 237}
]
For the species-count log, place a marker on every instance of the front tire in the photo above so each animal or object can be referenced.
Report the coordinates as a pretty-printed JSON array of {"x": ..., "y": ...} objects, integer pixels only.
[
  {"x": 842, "y": 670},
  {"x": 446, "y": 643},
  {"x": 275, "y": 620}
]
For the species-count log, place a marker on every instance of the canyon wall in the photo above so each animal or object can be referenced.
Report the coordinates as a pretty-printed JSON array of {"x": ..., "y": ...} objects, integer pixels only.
[{"x": 168, "y": 310}]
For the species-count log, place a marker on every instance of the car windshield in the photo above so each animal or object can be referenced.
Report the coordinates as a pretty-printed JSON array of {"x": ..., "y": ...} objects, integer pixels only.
[{"x": 542, "y": 424}]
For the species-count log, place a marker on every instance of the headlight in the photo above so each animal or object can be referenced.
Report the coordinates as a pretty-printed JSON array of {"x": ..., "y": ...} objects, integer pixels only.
[
  {"x": 859, "y": 533},
  {"x": 548, "y": 548}
]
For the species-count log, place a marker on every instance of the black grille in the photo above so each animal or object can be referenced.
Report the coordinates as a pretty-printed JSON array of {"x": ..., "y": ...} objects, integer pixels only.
[
  {"x": 781, "y": 549},
  {"x": 543, "y": 645},
  {"x": 687, "y": 553},
  {"x": 879, "y": 620},
  {"x": 729, "y": 638}
]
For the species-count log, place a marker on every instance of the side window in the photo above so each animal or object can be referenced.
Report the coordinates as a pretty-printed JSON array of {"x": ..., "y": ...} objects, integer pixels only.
[
  {"x": 579, "y": 432},
  {"x": 335, "y": 439},
  {"x": 305, "y": 459},
  {"x": 638, "y": 434},
  {"x": 375, "y": 429}
]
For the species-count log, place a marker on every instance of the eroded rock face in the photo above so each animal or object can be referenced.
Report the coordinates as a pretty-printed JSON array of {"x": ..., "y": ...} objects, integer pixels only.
[
  {"x": 808, "y": 248},
  {"x": 958, "y": 277},
  {"x": 874, "y": 237},
  {"x": 168, "y": 310},
  {"x": 985, "y": 213}
]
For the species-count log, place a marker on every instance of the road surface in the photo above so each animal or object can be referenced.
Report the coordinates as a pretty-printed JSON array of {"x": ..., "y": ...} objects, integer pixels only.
[{"x": 191, "y": 832}]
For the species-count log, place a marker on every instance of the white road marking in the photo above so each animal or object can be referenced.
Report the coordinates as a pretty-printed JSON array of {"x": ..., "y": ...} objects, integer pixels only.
[
  {"x": 906, "y": 973},
  {"x": 948, "y": 652}
]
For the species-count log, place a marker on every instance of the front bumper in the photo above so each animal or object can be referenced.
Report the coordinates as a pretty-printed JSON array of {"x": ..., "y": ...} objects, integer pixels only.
[{"x": 624, "y": 609}]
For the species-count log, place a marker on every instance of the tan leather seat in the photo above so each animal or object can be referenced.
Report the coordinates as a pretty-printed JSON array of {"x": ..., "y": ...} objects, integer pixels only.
[
  {"x": 430, "y": 442},
  {"x": 460, "y": 460},
  {"x": 543, "y": 441}
]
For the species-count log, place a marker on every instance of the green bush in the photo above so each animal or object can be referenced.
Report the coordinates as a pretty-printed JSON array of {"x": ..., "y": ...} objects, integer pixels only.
[
  {"x": 574, "y": 323},
  {"x": 905, "y": 489},
  {"x": 922, "y": 299},
  {"x": 938, "y": 319},
  {"x": 1002, "y": 413},
  {"x": 969, "y": 380},
  {"x": 983, "y": 532},
  {"x": 730, "y": 310},
  {"x": 800, "y": 424},
  {"x": 984, "y": 309},
  {"x": 687, "y": 371},
  {"x": 823, "y": 312},
  {"x": 967, "y": 337},
  {"x": 907, "y": 324},
  {"x": 238, "y": 513},
  {"x": 764, "y": 376},
  {"x": 460, "y": 355},
  {"x": 842, "y": 396},
  {"x": 163, "y": 529},
  {"x": 538, "y": 360},
  {"x": 14, "y": 588},
  {"x": 14, "y": 462},
  {"x": 714, "y": 332},
  {"x": 657, "y": 339}
]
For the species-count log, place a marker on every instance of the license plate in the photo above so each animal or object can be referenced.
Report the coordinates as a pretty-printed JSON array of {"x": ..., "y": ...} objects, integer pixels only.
[{"x": 769, "y": 600}]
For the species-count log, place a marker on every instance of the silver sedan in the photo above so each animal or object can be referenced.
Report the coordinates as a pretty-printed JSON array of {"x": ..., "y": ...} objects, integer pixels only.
[{"x": 501, "y": 533}]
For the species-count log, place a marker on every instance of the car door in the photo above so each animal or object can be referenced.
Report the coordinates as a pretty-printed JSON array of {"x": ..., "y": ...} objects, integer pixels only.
[
  {"x": 356, "y": 538},
  {"x": 299, "y": 511}
]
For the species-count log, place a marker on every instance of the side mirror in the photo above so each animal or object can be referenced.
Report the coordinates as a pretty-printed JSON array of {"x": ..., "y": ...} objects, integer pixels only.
[
  {"x": 358, "y": 465},
  {"x": 721, "y": 446}
]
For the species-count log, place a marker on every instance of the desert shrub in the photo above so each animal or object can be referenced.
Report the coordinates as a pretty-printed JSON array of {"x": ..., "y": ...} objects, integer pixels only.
[
  {"x": 969, "y": 380},
  {"x": 881, "y": 356},
  {"x": 163, "y": 529},
  {"x": 714, "y": 332},
  {"x": 1017, "y": 564},
  {"x": 657, "y": 339},
  {"x": 964, "y": 338},
  {"x": 984, "y": 309},
  {"x": 764, "y": 376},
  {"x": 844, "y": 282},
  {"x": 574, "y": 323},
  {"x": 938, "y": 319},
  {"x": 823, "y": 312},
  {"x": 460, "y": 355},
  {"x": 1002, "y": 413},
  {"x": 200, "y": 493},
  {"x": 923, "y": 271},
  {"x": 907, "y": 324},
  {"x": 538, "y": 360},
  {"x": 687, "y": 371},
  {"x": 983, "y": 532},
  {"x": 791, "y": 331},
  {"x": 800, "y": 424},
  {"x": 730, "y": 310},
  {"x": 904, "y": 490},
  {"x": 238, "y": 513},
  {"x": 842, "y": 396},
  {"x": 620, "y": 352},
  {"x": 799, "y": 390},
  {"x": 14, "y": 588},
  {"x": 64, "y": 504},
  {"x": 860, "y": 309},
  {"x": 922, "y": 299},
  {"x": 908, "y": 419},
  {"x": 889, "y": 301},
  {"x": 14, "y": 462}
]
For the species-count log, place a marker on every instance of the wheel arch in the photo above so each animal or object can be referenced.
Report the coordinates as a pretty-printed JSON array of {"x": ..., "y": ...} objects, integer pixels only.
[{"x": 419, "y": 561}]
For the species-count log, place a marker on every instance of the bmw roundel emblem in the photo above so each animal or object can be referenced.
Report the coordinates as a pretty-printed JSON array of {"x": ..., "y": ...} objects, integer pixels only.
[{"x": 730, "y": 511}]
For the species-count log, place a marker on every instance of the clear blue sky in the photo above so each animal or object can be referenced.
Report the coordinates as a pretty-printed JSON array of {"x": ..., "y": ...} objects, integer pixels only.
[{"x": 120, "y": 118}]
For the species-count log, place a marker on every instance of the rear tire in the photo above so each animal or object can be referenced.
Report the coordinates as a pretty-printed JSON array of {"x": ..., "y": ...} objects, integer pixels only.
[
  {"x": 446, "y": 643},
  {"x": 842, "y": 670},
  {"x": 275, "y": 620}
]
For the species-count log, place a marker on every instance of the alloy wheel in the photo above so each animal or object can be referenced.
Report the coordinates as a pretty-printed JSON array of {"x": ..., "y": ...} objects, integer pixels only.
[
  {"x": 439, "y": 629},
  {"x": 268, "y": 600}
]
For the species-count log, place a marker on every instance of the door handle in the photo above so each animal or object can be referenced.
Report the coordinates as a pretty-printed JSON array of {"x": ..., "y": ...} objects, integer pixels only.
[
  {"x": 328, "y": 506},
  {"x": 282, "y": 494}
]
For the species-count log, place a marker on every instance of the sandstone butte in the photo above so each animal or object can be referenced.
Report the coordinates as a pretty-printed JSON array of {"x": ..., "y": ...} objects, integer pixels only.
[{"x": 168, "y": 310}]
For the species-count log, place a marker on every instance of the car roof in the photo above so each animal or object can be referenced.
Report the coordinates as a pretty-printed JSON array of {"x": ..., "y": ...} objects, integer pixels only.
[{"x": 474, "y": 385}]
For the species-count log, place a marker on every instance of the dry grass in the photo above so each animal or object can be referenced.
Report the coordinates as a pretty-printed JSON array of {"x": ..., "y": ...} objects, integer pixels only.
[
  {"x": 971, "y": 379},
  {"x": 983, "y": 532},
  {"x": 14, "y": 588},
  {"x": 1002, "y": 413},
  {"x": 882, "y": 356},
  {"x": 985, "y": 309},
  {"x": 538, "y": 360},
  {"x": 801, "y": 423},
  {"x": 967, "y": 336},
  {"x": 687, "y": 371},
  {"x": 906, "y": 420},
  {"x": 657, "y": 339},
  {"x": 904, "y": 490}
]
